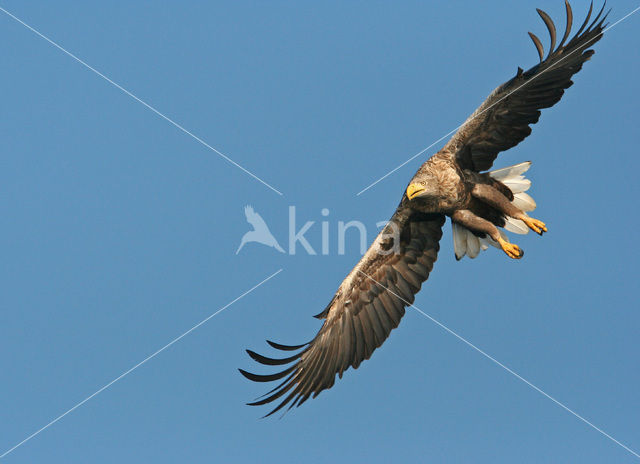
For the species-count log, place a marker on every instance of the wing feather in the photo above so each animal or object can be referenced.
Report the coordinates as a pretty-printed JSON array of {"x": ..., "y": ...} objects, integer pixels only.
[
  {"x": 366, "y": 308},
  {"x": 503, "y": 120}
]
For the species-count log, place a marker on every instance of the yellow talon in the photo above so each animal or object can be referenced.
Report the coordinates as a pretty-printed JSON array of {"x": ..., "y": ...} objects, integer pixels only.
[
  {"x": 535, "y": 225},
  {"x": 512, "y": 250}
]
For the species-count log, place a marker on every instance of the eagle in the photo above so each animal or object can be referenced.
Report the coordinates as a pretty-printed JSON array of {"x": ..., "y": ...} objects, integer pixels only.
[{"x": 455, "y": 182}]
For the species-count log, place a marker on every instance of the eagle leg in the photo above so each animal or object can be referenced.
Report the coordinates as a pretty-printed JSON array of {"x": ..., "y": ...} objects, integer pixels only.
[
  {"x": 511, "y": 249},
  {"x": 475, "y": 223},
  {"x": 496, "y": 199},
  {"x": 535, "y": 225}
]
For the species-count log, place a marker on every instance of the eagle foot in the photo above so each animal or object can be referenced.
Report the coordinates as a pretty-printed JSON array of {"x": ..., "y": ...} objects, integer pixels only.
[
  {"x": 535, "y": 225},
  {"x": 512, "y": 250}
]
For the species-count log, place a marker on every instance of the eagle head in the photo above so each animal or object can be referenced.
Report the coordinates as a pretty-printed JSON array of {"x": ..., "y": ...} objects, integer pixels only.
[{"x": 421, "y": 188}]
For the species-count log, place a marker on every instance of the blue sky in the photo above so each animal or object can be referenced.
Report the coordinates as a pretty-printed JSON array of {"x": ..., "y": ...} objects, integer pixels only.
[{"x": 119, "y": 233}]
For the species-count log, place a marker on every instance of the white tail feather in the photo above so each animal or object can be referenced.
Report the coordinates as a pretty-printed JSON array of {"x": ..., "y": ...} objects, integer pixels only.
[
  {"x": 473, "y": 244},
  {"x": 511, "y": 171},
  {"x": 465, "y": 242},
  {"x": 517, "y": 184},
  {"x": 459, "y": 240},
  {"x": 515, "y": 225},
  {"x": 486, "y": 241},
  {"x": 524, "y": 201}
]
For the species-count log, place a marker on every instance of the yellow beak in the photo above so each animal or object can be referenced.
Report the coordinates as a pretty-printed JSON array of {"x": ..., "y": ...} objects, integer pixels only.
[{"x": 414, "y": 190}]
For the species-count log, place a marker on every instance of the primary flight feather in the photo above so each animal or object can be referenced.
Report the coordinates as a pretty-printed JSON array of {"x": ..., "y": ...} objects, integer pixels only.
[{"x": 371, "y": 300}]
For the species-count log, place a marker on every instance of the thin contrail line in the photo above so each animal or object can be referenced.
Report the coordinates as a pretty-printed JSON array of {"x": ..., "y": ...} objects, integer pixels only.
[
  {"x": 118, "y": 86},
  {"x": 473, "y": 116},
  {"x": 510, "y": 371},
  {"x": 138, "y": 365}
]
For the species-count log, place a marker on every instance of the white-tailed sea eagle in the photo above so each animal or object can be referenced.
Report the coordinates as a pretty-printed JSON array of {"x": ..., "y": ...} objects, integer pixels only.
[{"x": 454, "y": 182}]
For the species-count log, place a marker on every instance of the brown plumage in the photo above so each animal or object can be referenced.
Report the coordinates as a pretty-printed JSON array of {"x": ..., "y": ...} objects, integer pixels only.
[{"x": 371, "y": 300}]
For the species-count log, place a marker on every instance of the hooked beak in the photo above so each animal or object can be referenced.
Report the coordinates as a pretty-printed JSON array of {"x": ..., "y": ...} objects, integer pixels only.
[{"x": 414, "y": 190}]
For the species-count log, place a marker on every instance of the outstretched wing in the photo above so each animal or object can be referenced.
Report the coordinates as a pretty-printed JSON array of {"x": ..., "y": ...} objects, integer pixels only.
[
  {"x": 364, "y": 310},
  {"x": 502, "y": 121}
]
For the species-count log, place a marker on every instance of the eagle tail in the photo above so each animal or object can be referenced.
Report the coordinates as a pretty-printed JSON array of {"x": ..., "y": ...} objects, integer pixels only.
[{"x": 467, "y": 243}]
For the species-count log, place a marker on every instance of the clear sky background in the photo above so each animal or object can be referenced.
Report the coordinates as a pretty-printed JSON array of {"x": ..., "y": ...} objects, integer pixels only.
[{"x": 119, "y": 233}]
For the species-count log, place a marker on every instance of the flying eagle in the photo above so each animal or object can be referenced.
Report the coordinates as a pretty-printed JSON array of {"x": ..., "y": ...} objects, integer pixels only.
[{"x": 371, "y": 300}]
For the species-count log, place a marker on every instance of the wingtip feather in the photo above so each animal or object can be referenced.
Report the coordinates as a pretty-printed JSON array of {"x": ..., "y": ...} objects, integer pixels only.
[
  {"x": 279, "y": 346},
  {"x": 538, "y": 44}
]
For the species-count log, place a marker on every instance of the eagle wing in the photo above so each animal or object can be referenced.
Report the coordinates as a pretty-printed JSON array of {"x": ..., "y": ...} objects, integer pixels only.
[
  {"x": 502, "y": 121},
  {"x": 367, "y": 306}
]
